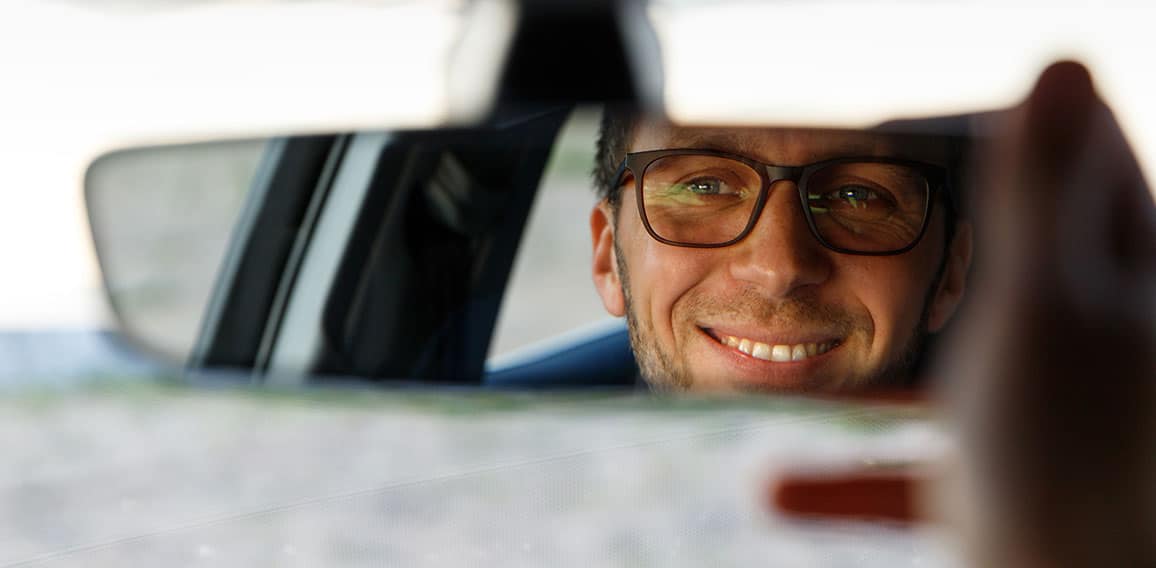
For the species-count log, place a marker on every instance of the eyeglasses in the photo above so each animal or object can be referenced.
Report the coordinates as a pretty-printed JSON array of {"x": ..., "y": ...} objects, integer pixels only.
[{"x": 708, "y": 199}]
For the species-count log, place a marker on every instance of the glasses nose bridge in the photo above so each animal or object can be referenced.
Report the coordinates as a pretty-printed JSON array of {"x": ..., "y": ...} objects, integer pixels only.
[
  {"x": 782, "y": 173},
  {"x": 774, "y": 174}
]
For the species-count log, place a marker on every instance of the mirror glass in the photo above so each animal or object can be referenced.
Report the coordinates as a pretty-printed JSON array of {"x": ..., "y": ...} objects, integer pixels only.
[
  {"x": 162, "y": 220},
  {"x": 766, "y": 259}
]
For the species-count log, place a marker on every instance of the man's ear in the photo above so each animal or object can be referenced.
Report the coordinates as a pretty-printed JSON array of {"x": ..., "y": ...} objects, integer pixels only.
[
  {"x": 605, "y": 265},
  {"x": 953, "y": 283}
]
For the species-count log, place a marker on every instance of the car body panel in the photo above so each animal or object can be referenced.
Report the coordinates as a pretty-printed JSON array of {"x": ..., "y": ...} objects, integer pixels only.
[{"x": 168, "y": 476}]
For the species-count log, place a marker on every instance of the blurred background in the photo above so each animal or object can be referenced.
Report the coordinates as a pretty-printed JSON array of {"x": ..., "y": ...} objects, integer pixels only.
[{"x": 80, "y": 79}]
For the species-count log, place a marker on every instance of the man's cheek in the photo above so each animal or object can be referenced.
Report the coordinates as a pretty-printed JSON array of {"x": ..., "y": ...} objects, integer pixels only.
[
  {"x": 874, "y": 292},
  {"x": 670, "y": 280},
  {"x": 661, "y": 289},
  {"x": 896, "y": 308}
]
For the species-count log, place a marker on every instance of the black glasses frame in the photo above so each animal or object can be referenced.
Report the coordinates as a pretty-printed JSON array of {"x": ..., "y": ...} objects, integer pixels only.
[{"x": 637, "y": 163}]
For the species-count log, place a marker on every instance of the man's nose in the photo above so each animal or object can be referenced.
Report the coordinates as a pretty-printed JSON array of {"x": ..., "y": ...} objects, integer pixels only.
[{"x": 781, "y": 255}]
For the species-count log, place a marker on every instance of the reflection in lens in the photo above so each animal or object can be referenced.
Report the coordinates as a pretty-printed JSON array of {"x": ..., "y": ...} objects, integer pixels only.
[
  {"x": 699, "y": 199},
  {"x": 867, "y": 206}
]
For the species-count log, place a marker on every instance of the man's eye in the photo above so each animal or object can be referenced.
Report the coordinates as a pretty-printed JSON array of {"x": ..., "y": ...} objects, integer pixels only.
[
  {"x": 854, "y": 195},
  {"x": 848, "y": 196},
  {"x": 707, "y": 186}
]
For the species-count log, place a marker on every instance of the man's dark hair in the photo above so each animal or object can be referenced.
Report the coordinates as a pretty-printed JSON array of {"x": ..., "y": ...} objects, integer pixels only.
[{"x": 613, "y": 138}]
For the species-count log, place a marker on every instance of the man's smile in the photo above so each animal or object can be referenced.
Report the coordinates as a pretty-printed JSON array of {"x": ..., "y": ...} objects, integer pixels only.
[{"x": 779, "y": 351}]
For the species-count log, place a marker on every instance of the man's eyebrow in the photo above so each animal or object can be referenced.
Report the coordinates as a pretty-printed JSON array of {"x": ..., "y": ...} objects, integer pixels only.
[{"x": 721, "y": 140}]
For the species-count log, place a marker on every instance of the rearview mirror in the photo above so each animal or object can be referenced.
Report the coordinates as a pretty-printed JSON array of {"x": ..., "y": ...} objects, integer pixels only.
[{"x": 456, "y": 256}]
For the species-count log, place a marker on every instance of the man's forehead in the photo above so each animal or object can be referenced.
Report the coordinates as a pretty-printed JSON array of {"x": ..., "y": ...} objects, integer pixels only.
[{"x": 788, "y": 146}]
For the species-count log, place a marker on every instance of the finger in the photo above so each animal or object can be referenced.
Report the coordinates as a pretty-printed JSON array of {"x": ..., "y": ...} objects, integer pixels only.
[
  {"x": 1063, "y": 205},
  {"x": 1052, "y": 373}
]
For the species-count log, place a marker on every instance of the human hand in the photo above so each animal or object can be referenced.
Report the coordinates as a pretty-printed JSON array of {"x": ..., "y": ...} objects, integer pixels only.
[{"x": 1051, "y": 378}]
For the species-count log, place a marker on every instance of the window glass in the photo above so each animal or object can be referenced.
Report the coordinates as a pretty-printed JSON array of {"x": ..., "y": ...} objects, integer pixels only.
[{"x": 550, "y": 290}]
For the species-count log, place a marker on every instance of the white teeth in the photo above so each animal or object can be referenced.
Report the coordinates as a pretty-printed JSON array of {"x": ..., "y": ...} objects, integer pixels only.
[
  {"x": 745, "y": 346},
  {"x": 777, "y": 353},
  {"x": 761, "y": 351},
  {"x": 781, "y": 353},
  {"x": 798, "y": 353}
]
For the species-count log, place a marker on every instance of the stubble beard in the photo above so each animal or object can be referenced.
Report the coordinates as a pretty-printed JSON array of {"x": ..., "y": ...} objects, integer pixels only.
[{"x": 663, "y": 373}]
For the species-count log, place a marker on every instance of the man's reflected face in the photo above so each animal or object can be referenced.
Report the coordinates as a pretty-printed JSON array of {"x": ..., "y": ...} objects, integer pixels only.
[{"x": 777, "y": 310}]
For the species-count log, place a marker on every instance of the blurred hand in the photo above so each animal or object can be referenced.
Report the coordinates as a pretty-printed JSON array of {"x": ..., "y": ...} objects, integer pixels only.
[{"x": 1051, "y": 378}]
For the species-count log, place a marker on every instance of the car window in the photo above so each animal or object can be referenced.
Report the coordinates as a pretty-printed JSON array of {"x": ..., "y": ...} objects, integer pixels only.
[
  {"x": 550, "y": 289},
  {"x": 166, "y": 218}
]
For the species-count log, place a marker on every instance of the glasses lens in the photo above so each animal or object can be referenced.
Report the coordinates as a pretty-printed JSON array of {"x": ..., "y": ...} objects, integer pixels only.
[
  {"x": 867, "y": 206},
  {"x": 697, "y": 199}
]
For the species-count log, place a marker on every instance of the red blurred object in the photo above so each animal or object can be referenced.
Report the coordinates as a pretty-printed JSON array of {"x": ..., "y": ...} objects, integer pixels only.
[{"x": 855, "y": 495}]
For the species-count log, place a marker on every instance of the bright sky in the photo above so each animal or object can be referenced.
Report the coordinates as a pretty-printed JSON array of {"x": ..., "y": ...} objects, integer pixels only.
[{"x": 79, "y": 80}]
